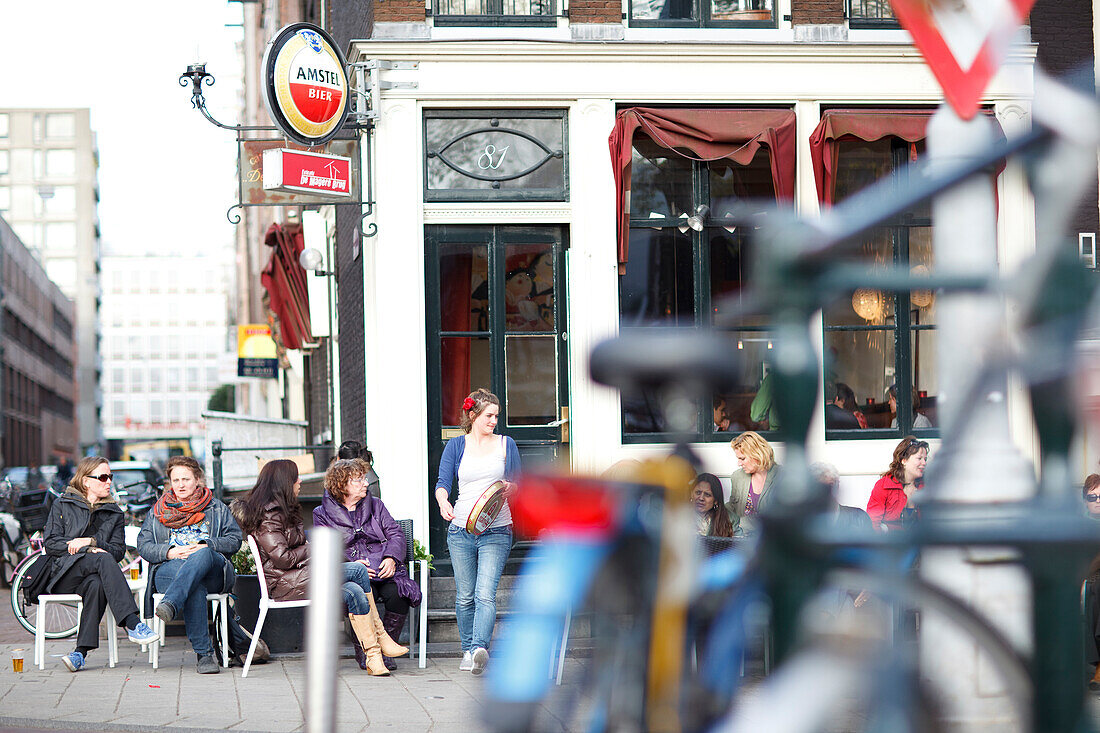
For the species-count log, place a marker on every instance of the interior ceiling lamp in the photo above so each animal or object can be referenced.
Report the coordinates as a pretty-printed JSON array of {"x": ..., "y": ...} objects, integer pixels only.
[
  {"x": 870, "y": 305},
  {"x": 921, "y": 298}
]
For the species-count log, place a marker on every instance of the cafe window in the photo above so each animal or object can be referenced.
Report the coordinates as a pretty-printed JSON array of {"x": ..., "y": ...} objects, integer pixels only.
[
  {"x": 879, "y": 346},
  {"x": 706, "y": 13},
  {"x": 681, "y": 257},
  {"x": 495, "y": 155}
]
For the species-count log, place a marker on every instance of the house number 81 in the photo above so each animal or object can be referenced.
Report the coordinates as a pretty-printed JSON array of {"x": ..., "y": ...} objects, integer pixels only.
[{"x": 488, "y": 159}]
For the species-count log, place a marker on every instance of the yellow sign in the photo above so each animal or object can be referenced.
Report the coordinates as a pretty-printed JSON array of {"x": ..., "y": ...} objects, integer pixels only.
[{"x": 256, "y": 355}]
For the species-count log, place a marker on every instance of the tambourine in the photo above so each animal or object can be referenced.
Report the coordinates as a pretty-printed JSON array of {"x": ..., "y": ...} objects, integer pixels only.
[{"x": 486, "y": 508}]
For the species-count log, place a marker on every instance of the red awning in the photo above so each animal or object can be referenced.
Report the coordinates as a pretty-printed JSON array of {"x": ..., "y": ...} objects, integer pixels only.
[
  {"x": 867, "y": 125},
  {"x": 707, "y": 134},
  {"x": 285, "y": 281}
]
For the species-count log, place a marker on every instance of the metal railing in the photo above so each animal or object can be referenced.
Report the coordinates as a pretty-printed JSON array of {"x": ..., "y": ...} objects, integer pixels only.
[
  {"x": 871, "y": 13},
  {"x": 494, "y": 12}
]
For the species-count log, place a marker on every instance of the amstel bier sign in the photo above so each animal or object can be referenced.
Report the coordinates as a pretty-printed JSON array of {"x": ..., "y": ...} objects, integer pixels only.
[{"x": 305, "y": 87}]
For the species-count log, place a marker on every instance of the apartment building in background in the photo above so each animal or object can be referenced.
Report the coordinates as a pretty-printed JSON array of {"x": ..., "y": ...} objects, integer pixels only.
[
  {"x": 37, "y": 370},
  {"x": 49, "y": 195},
  {"x": 165, "y": 332}
]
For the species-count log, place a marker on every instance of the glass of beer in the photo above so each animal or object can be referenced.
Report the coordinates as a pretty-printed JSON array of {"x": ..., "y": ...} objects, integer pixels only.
[
  {"x": 17, "y": 660},
  {"x": 135, "y": 572}
]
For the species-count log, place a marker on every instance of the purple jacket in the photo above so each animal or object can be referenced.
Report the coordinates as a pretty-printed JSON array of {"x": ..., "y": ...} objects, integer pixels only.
[{"x": 370, "y": 533}]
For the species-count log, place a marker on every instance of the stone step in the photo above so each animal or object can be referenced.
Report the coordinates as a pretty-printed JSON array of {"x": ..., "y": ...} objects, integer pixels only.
[{"x": 443, "y": 626}]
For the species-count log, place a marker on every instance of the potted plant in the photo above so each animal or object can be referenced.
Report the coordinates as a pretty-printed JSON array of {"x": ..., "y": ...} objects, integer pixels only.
[{"x": 283, "y": 628}]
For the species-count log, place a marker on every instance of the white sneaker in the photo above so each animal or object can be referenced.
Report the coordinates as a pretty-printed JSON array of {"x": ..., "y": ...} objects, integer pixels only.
[
  {"x": 481, "y": 658},
  {"x": 467, "y": 662}
]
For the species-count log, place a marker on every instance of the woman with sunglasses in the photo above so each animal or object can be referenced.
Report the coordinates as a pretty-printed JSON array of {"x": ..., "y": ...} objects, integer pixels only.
[
  {"x": 85, "y": 537},
  {"x": 188, "y": 539},
  {"x": 888, "y": 506}
]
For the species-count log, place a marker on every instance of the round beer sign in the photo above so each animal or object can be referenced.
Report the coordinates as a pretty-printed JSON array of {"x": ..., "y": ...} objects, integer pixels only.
[{"x": 306, "y": 89}]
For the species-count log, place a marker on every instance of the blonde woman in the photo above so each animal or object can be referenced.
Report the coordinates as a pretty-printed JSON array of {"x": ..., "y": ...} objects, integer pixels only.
[{"x": 751, "y": 485}]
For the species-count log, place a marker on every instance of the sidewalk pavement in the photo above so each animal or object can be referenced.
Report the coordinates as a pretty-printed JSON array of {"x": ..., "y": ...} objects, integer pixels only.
[{"x": 135, "y": 697}]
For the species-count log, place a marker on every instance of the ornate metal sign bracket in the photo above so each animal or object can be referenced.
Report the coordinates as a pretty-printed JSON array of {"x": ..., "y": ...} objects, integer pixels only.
[{"x": 197, "y": 75}]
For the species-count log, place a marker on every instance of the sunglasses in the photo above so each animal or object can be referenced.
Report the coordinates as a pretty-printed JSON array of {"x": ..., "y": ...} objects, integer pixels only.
[
  {"x": 104, "y": 477},
  {"x": 1092, "y": 497},
  {"x": 918, "y": 444}
]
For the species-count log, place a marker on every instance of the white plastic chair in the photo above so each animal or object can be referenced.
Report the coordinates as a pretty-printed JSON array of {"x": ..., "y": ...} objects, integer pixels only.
[
  {"x": 265, "y": 603},
  {"x": 40, "y": 626},
  {"x": 219, "y": 608}
]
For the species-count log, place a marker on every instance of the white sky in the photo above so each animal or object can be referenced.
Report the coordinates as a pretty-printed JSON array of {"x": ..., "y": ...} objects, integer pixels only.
[{"x": 166, "y": 175}]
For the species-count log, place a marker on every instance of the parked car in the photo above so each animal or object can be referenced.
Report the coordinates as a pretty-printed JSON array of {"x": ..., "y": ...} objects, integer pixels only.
[{"x": 136, "y": 487}]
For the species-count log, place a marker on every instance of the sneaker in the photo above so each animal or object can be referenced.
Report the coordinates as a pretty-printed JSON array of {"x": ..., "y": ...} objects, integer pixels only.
[
  {"x": 467, "y": 662},
  {"x": 208, "y": 664},
  {"x": 142, "y": 634},
  {"x": 480, "y": 659},
  {"x": 165, "y": 611},
  {"x": 74, "y": 661}
]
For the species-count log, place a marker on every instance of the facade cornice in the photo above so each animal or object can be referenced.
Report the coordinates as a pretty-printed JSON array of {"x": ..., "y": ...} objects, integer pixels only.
[{"x": 656, "y": 52}]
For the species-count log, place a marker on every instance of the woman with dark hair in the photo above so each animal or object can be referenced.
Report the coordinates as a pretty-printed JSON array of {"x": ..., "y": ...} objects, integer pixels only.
[
  {"x": 372, "y": 540},
  {"x": 188, "y": 539},
  {"x": 84, "y": 536},
  {"x": 712, "y": 519},
  {"x": 846, "y": 399},
  {"x": 270, "y": 512},
  {"x": 888, "y": 506},
  {"x": 477, "y": 461},
  {"x": 354, "y": 449}
]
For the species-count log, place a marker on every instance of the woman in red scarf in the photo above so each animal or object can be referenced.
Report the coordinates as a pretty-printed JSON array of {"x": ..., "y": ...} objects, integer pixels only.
[{"x": 188, "y": 540}]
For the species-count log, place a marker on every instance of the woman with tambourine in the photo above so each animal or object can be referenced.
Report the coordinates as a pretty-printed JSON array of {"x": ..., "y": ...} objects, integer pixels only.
[{"x": 479, "y": 538}]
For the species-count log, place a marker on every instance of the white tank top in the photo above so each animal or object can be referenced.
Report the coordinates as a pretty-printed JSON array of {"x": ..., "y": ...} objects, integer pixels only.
[{"x": 475, "y": 474}]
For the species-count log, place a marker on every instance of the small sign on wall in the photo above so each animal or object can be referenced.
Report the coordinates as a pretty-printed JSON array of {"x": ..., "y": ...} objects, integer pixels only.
[
  {"x": 301, "y": 172},
  {"x": 256, "y": 355}
]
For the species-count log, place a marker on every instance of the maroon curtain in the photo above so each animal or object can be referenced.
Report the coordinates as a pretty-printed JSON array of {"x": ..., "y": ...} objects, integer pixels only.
[
  {"x": 285, "y": 281},
  {"x": 867, "y": 125},
  {"x": 454, "y": 297},
  {"x": 702, "y": 134}
]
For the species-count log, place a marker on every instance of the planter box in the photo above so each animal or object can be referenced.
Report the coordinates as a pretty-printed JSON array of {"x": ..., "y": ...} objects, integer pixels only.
[{"x": 284, "y": 628}]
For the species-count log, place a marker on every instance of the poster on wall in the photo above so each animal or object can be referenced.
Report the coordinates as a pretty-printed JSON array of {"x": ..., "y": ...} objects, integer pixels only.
[{"x": 256, "y": 356}]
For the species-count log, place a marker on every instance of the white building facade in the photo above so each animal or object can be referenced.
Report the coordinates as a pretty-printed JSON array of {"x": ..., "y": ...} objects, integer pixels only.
[
  {"x": 451, "y": 247},
  {"x": 166, "y": 334}
]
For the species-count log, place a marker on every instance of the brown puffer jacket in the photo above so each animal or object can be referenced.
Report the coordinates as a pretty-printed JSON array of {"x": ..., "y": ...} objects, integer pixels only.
[{"x": 284, "y": 553}]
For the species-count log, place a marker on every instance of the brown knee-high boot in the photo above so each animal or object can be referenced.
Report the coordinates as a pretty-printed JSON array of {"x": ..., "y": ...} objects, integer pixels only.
[
  {"x": 389, "y": 647},
  {"x": 364, "y": 631}
]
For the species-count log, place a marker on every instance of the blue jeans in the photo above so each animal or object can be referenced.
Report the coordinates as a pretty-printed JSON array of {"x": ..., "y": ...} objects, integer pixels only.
[
  {"x": 356, "y": 588},
  {"x": 185, "y": 584},
  {"x": 478, "y": 561}
]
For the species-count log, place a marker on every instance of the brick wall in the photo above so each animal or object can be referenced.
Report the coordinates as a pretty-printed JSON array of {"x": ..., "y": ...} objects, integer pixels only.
[
  {"x": 348, "y": 21},
  {"x": 1063, "y": 31},
  {"x": 353, "y": 409},
  {"x": 399, "y": 11},
  {"x": 595, "y": 11},
  {"x": 817, "y": 12}
]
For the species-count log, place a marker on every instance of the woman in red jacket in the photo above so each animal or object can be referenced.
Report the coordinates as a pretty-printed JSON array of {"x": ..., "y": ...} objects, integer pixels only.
[{"x": 889, "y": 502}]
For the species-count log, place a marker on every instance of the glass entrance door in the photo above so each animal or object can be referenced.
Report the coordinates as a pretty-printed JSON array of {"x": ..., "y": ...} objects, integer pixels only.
[{"x": 496, "y": 319}]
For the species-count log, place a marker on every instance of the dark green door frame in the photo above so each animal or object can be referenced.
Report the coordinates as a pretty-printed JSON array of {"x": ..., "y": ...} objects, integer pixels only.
[{"x": 535, "y": 442}]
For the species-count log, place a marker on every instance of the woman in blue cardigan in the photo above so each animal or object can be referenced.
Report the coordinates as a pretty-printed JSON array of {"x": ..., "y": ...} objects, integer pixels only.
[{"x": 475, "y": 461}]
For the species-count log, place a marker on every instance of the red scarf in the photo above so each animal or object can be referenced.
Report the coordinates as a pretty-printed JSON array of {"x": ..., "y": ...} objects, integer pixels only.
[{"x": 174, "y": 513}]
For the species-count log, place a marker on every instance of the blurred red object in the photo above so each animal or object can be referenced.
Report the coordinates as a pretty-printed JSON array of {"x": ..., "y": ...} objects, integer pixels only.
[{"x": 563, "y": 504}]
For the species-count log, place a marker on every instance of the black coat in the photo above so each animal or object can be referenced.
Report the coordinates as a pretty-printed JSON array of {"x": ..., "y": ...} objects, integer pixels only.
[{"x": 71, "y": 517}]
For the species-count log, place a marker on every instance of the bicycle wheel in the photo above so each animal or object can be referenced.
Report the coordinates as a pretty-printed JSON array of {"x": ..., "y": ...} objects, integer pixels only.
[{"x": 61, "y": 618}]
